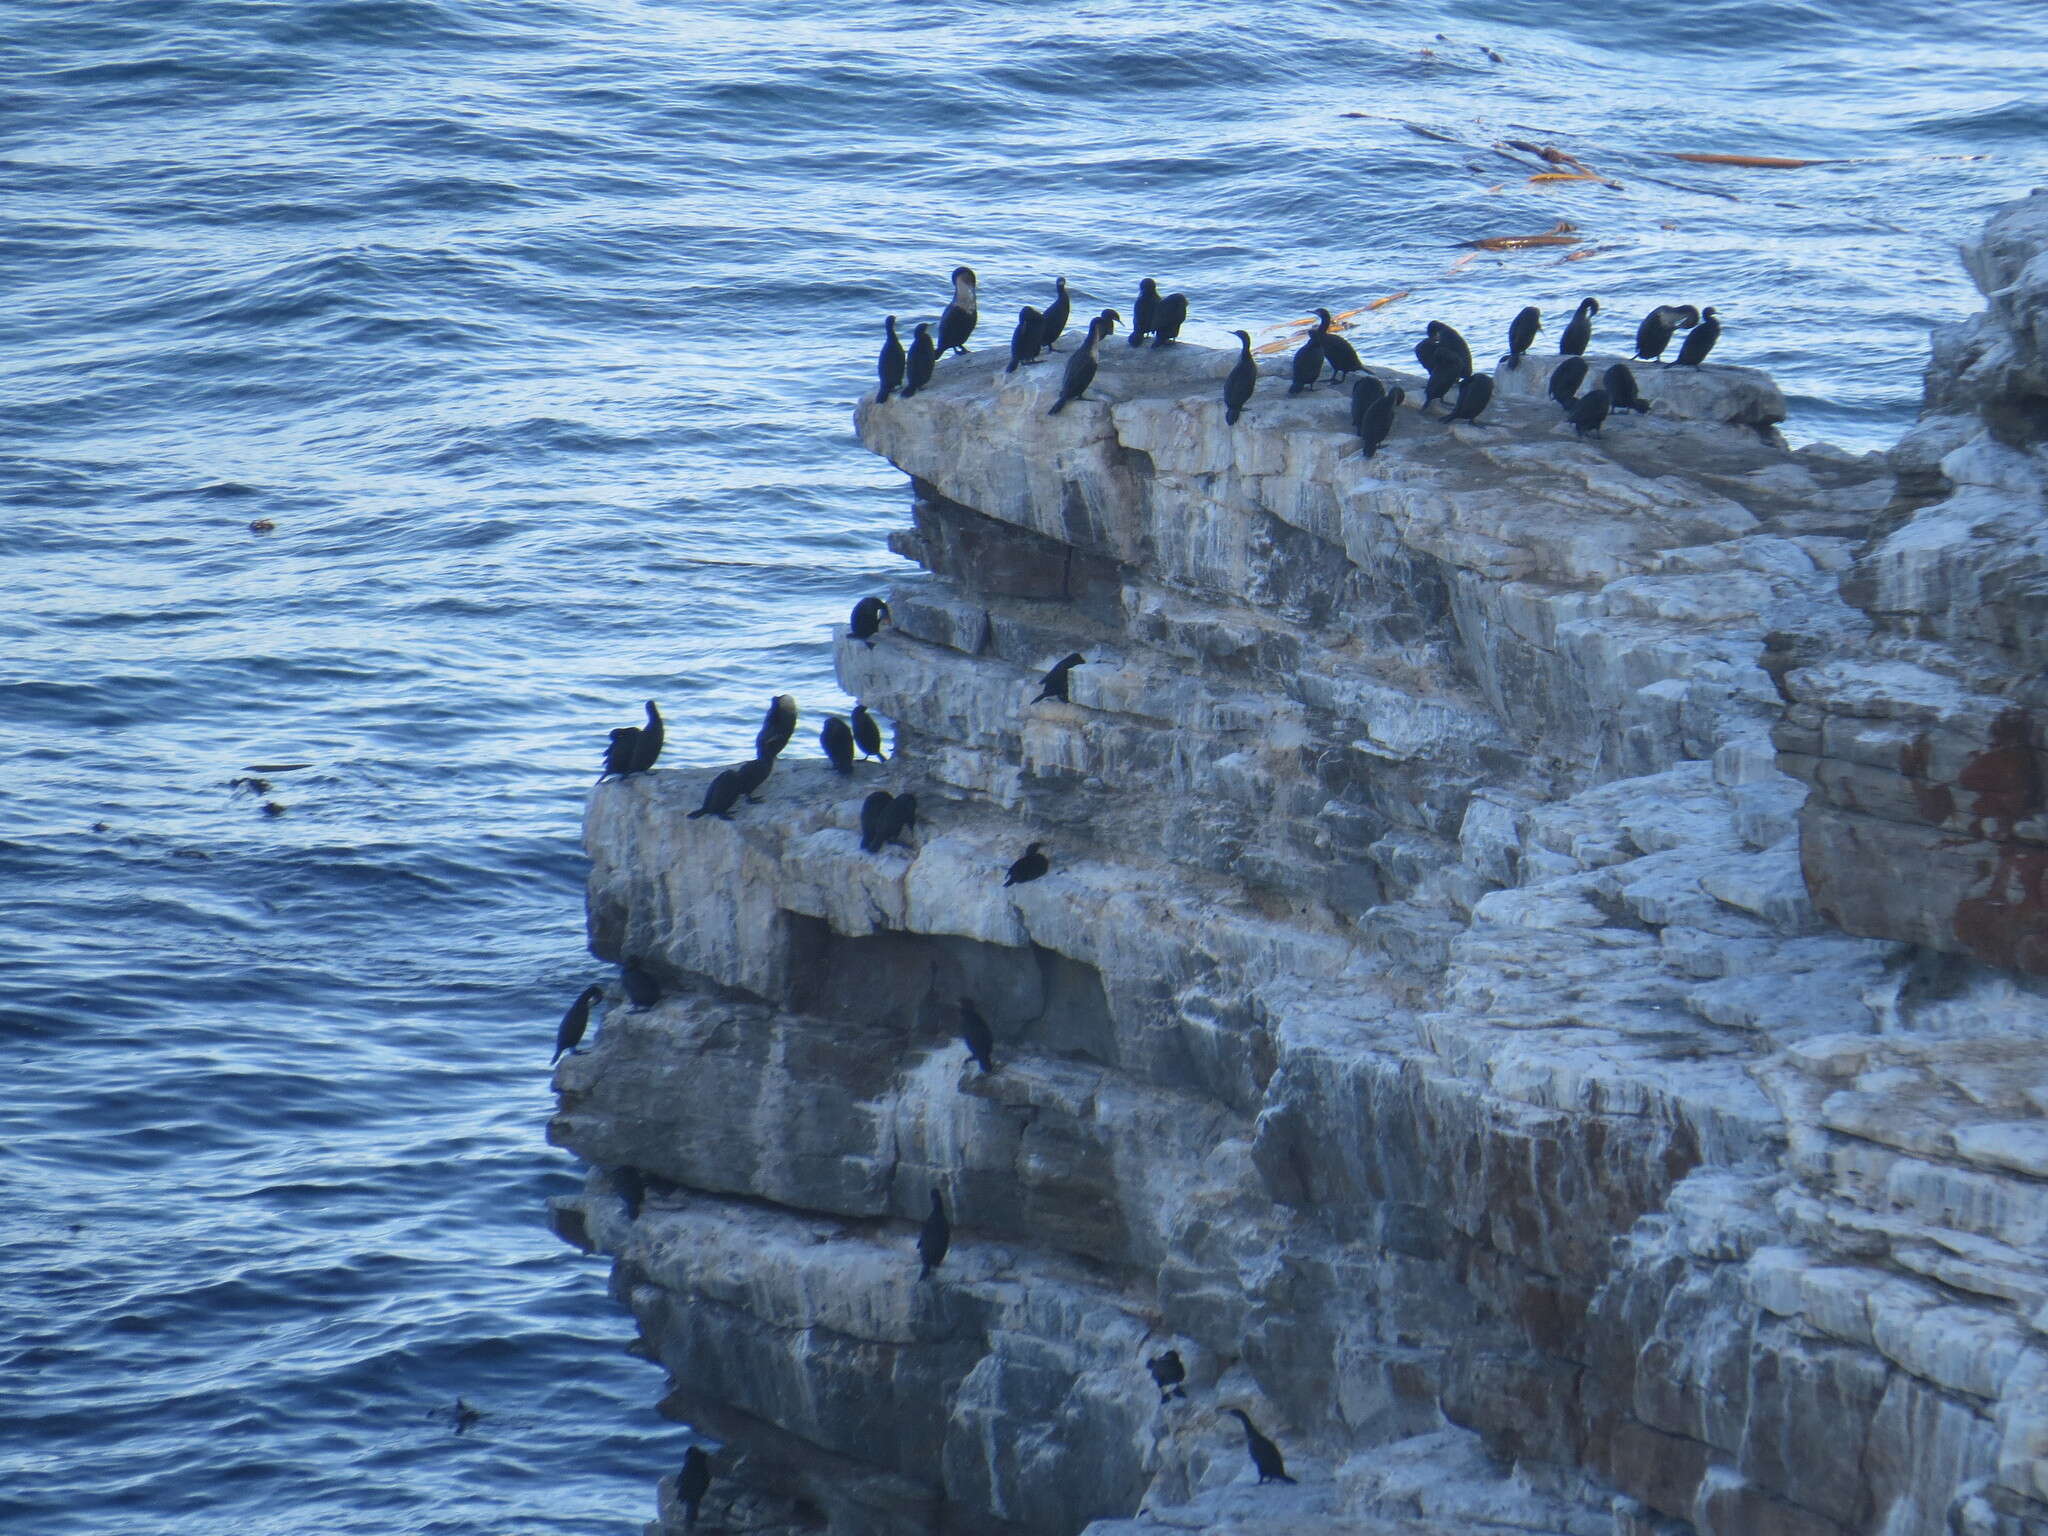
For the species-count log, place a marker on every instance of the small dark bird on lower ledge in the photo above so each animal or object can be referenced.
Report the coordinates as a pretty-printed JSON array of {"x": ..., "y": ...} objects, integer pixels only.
[
  {"x": 1168, "y": 1374},
  {"x": 869, "y": 615},
  {"x": 623, "y": 755},
  {"x": 1590, "y": 412},
  {"x": 575, "y": 1022},
  {"x": 836, "y": 737},
  {"x": 1030, "y": 867},
  {"x": 692, "y": 1483},
  {"x": 1622, "y": 391},
  {"x": 934, "y": 1238},
  {"x": 1054, "y": 684},
  {"x": 752, "y": 775},
  {"x": 1265, "y": 1454},
  {"x": 901, "y": 818},
  {"x": 975, "y": 1034},
  {"x": 1566, "y": 378},
  {"x": 1474, "y": 395},
  {"x": 874, "y": 820},
  {"x": 866, "y": 734},
  {"x": 721, "y": 795}
]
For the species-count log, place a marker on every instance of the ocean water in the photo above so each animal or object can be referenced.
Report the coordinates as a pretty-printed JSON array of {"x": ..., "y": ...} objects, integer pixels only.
[{"x": 531, "y": 326}]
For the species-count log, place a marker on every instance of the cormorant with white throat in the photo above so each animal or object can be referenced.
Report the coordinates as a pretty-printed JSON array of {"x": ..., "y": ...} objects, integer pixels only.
[
  {"x": 776, "y": 727},
  {"x": 956, "y": 321}
]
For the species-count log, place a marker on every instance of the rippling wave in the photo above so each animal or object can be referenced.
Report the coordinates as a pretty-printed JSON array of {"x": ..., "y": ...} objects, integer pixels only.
[{"x": 530, "y": 328}]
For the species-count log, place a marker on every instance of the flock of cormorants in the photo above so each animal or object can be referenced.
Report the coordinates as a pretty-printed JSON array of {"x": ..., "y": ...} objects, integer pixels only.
[{"x": 1444, "y": 355}]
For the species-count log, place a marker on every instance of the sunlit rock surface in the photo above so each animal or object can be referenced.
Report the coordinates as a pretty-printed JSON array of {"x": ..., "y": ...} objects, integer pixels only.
[{"x": 1449, "y": 1022}]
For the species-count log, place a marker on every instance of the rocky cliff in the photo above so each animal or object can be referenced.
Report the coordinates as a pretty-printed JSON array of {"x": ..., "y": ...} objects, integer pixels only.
[{"x": 1535, "y": 999}]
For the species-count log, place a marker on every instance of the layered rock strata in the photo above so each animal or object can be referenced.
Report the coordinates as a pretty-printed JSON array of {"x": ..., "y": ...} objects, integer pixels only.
[{"x": 1446, "y": 1024}]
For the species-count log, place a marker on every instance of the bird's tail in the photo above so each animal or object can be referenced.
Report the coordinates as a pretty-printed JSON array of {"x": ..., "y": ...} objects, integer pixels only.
[
  {"x": 1230, "y": 416},
  {"x": 695, "y": 814},
  {"x": 881, "y": 394},
  {"x": 1056, "y": 406}
]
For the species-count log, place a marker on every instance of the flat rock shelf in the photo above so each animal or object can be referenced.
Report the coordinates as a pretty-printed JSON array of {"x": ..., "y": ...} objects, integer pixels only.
[{"x": 1541, "y": 995}]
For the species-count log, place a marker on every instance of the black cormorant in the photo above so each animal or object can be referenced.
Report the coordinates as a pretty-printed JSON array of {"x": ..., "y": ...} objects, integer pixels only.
[
  {"x": 1654, "y": 334},
  {"x": 975, "y": 1034},
  {"x": 1307, "y": 366},
  {"x": 1145, "y": 311},
  {"x": 866, "y": 734},
  {"x": 1579, "y": 334},
  {"x": 575, "y": 1021},
  {"x": 752, "y": 775},
  {"x": 874, "y": 816},
  {"x": 1450, "y": 348},
  {"x": 642, "y": 990},
  {"x": 1337, "y": 352},
  {"x": 1443, "y": 378},
  {"x": 836, "y": 737},
  {"x": 721, "y": 795},
  {"x": 692, "y": 1483},
  {"x": 1522, "y": 332},
  {"x": 1566, "y": 378},
  {"x": 1080, "y": 367},
  {"x": 1110, "y": 321},
  {"x": 934, "y": 1238},
  {"x": 1378, "y": 419},
  {"x": 1590, "y": 411},
  {"x": 1168, "y": 1374},
  {"x": 889, "y": 366},
  {"x": 623, "y": 755},
  {"x": 1054, "y": 684},
  {"x": 924, "y": 357},
  {"x": 652, "y": 734},
  {"x": 1054, "y": 322},
  {"x": 1026, "y": 341},
  {"x": 1244, "y": 378},
  {"x": 1030, "y": 867},
  {"x": 1701, "y": 340},
  {"x": 1473, "y": 397},
  {"x": 776, "y": 727},
  {"x": 1167, "y": 320},
  {"x": 1622, "y": 393},
  {"x": 1265, "y": 1454},
  {"x": 956, "y": 321},
  {"x": 869, "y": 615},
  {"x": 1365, "y": 389},
  {"x": 901, "y": 818}
]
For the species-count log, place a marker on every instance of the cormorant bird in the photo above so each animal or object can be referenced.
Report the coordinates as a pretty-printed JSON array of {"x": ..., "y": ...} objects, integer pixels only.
[
  {"x": 1168, "y": 1374},
  {"x": 465, "y": 1415},
  {"x": 641, "y": 988},
  {"x": 1030, "y": 867},
  {"x": 956, "y": 321},
  {"x": 1590, "y": 411},
  {"x": 1167, "y": 320},
  {"x": 752, "y": 775},
  {"x": 934, "y": 1238},
  {"x": 648, "y": 748},
  {"x": 1145, "y": 311},
  {"x": 1365, "y": 389},
  {"x": 1473, "y": 397},
  {"x": 869, "y": 615},
  {"x": 1110, "y": 321},
  {"x": 1054, "y": 684},
  {"x": 866, "y": 734},
  {"x": 1566, "y": 378},
  {"x": 1265, "y": 1454},
  {"x": 1654, "y": 334},
  {"x": 1080, "y": 367},
  {"x": 1449, "y": 347},
  {"x": 575, "y": 1022},
  {"x": 720, "y": 796},
  {"x": 1443, "y": 378},
  {"x": 1579, "y": 334},
  {"x": 836, "y": 737},
  {"x": 1308, "y": 364},
  {"x": 1522, "y": 332},
  {"x": 623, "y": 754},
  {"x": 1378, "y": 420},
  {"x": 776, "y": 727},
  {"x": 889, "y": 366},
  {"x": 1054, "y": 322},
  {"x": 692, "y": 1483},
  {"x": 901, "y": 818},
  {"x": 1701, "y": 341},
  {"x": 975, "y": 1034},
  {"x": 874, "y": 816},
  {"x": 924, "y": 357},
  {"x": 1027, "y": 339},
  {"x": 1244, "y": 378},
  {"x": 1622, "y": 393},
  {"x": 1337, "y": 352}
]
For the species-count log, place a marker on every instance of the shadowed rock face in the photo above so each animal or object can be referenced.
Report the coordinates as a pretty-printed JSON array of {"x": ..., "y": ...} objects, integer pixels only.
[{"x": 1444, "y": 1023}]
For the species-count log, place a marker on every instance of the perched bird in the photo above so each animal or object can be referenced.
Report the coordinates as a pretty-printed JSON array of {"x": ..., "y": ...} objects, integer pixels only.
[
  {"x": 1443, "y": 378},
  {"x": 934, "y": 1238},
  {"x": 869, "y": 615},
  {"x": 721, "y": 795},
  {"x": 1378, "y": 419},
  {"x": 1566, "y": 378},
  {"x": 575, "y": 1021},
  {"x": 975, "y": 1034},
  {"x": 902, "y": 818},
  {"x": 1448, "y": 347},
  {"x": 750, "y": 776},
  {"x": 1365, "y": 389},
  {"x": 1110, "y": 321},
  {"x": 924, "y": 357},
  {"x": 1590, "y": 411},
  {"x": 648, "y": 748},
  {"x": 836, "y": 737},
  {"x": 866, "y": 734},
  {"x": 1522, "y": 331},
  {"x": 1473, "y": 397},
  {"x": 1308, "y": 364},
  {"x": 1244, "y": 378},
  {"x": 1701, "y": 340},
  {"x": 1654, "y": 334},
  {"x": 889, "y": 366},
  {"x": 1054, "y": 321},
  {"x": 956, "y": 320},
  {"x": 874, "y": 816},
  {"x": 1030, "y": 867},
  {"x": 1054, "y": 684},
  {"x": 1265, "y": 1454},
  {"x": 1578, "y": 335},
  {"x": 1080, "y": 367},
  {"x": 623, "y": 754},
  {"x": 776, "y": 727},
  {"x": 692, "y": 1483},
  {"x": 1145, "y": 311},
  {"x": 1168, "y": 1374},
  {"x": 1167, "y": 320},
  {"x": 1620, "y": 384},
  {"x": 1025, "y": 340},
  {"x": 642, "y": 990},
  {"x": 1339, "y": 353}
]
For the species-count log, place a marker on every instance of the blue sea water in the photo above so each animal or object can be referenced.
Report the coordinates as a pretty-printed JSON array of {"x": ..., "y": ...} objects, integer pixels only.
[{"x": 532, "y": 325}]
